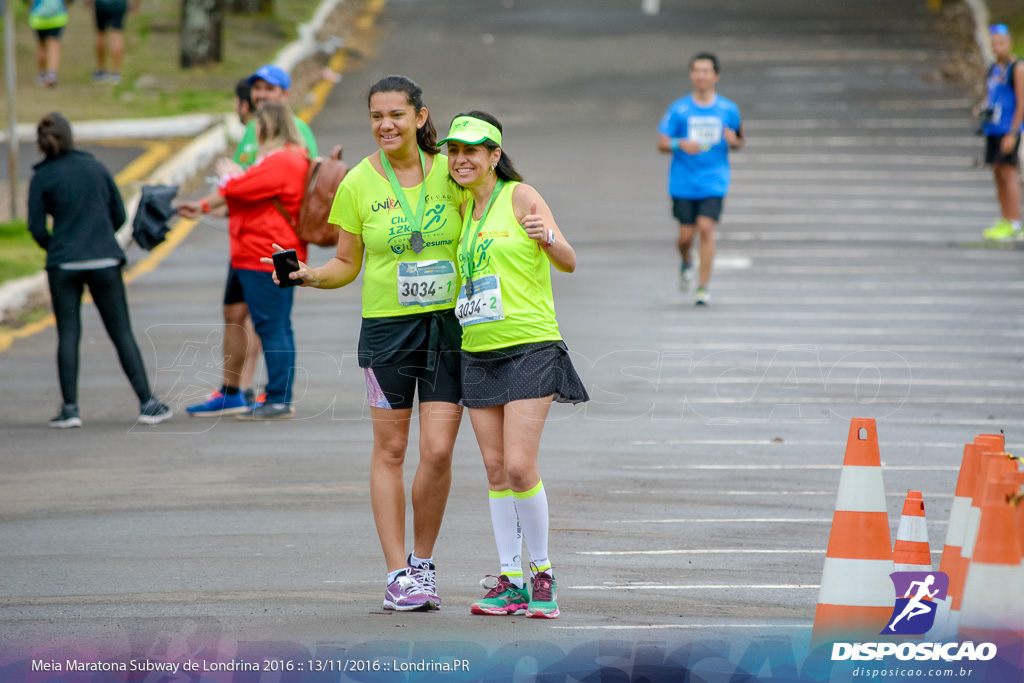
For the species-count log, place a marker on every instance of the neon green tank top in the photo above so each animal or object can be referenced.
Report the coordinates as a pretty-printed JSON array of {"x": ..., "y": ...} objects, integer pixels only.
[
  {"x": 503, "y": 249},
  {"x": 366, "y": 205}
]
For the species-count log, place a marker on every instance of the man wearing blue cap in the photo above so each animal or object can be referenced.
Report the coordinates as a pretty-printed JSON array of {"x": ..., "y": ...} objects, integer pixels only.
[
  {"x": 270, "y": 83},
  {"x": 1004, "y": 112}
]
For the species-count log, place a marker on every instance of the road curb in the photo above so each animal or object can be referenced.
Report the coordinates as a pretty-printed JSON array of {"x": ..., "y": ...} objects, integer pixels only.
[
  {"x": 213, "y": 131},
  {"x": 979, "y": 10}
]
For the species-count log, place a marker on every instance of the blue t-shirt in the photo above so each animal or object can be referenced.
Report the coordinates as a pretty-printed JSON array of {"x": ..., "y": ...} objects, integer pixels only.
[
  {"x": 698, "y": 176},
  {"x": 1001, "y": 97}
]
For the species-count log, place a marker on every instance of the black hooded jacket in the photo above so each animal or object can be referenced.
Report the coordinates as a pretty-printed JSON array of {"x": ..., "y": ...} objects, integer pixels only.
[{"x": 79, "y": 193}]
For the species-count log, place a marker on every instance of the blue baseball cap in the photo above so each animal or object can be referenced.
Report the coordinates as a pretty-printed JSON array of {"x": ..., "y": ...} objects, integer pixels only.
[
  {"x": 999, "y": 30},
  {"x": 272, "y": 74}
]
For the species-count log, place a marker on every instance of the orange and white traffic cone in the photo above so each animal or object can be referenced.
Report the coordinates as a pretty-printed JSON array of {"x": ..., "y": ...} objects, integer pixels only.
[
  {"x": 911, "y": 552},
  {"x": 856, "y": 595},
  {"x": 954, "y": 563},
  {"x": 994, "y": 589}
]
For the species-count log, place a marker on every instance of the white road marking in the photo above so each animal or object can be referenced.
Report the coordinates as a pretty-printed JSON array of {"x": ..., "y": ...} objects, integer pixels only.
[
  {"x": 704, "y": 551},
  {"x": 843, "y": 331},
  {"x": 653, "y": 627},
  {"x": 887, "y": 162},
  {"x": 696, "y": 586},
  {"x": 902, "y": 468},
  {"x": 887, "y": 141}
]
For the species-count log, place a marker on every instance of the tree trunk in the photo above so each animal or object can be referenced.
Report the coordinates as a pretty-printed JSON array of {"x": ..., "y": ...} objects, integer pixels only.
[
  {"x": 265, "y": 7},
  {"x": 202, "y": 24}
]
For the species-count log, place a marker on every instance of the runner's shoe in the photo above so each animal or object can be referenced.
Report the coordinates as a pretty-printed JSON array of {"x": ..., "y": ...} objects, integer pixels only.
[
  {"x": 268, "y": 411},
  {"x": 685, "y": 277},
  {"x": 544, "y": 598},
  {"x": 405, "y": 594},
  {"x": 98, "y": 76},
  {"x": 67, "y": 417},
  {"x": 1001, "y": 230},
  {"x": 426, "y": 575},
  {"x": 503, "y": 598},
  {"x": 153, "y": 412},
  {"x": 703, "y": 298},
  {"x": 219, "y": 404}
]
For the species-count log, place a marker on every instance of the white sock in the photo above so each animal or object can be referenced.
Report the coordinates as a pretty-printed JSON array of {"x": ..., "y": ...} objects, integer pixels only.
[
  {"x": 508, "y": 535},
  {"x": 394, "y": 575},
  {"x": 1015, "y": 225},
  {"x": 420, "y": 562},
  {"x": 532, "y": 507}
]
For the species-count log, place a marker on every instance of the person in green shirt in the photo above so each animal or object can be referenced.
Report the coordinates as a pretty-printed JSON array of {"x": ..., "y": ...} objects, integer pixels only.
[
  {"x": 399, "y": 213},
  {"x": 514, "y": 362}
]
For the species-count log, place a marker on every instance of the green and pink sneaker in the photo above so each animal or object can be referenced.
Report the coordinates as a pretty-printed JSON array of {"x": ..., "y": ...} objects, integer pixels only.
[{"x": 502, "y": 599}]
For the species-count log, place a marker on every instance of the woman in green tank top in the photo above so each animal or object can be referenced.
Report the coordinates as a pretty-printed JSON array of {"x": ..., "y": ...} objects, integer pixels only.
[
  {"x": 399, "y": 214},
  {"x": 514, "y": 363}
]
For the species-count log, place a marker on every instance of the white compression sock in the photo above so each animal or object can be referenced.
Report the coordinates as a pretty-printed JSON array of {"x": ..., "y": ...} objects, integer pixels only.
[{"x": 508, "y": 535}]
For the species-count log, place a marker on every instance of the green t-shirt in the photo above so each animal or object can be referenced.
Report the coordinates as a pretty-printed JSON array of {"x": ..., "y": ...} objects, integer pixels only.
[
  {"x": 366, "y": 205},
  {"x": 248, "y": 147},
  {"x": 524, "y": 277}
]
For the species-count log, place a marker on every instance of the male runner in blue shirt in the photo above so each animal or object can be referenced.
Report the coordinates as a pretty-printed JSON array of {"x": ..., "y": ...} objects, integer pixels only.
[{"x": 698, "y": 130}]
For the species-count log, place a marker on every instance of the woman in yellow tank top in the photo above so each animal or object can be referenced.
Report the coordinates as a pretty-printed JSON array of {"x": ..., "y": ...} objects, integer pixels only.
[
  {"x": 514, "y": 363},
  {"x": 399, "y": 214}
]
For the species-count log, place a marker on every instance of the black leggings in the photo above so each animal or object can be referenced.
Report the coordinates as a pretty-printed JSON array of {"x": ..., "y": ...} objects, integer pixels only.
[{"x": 107, "y": 289}]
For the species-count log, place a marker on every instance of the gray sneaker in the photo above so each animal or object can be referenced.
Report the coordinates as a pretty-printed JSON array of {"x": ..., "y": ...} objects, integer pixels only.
[
  {"x": 268, "y": 411},
  {"x": 426, "y": 575},
  {"x": 153, "y": 412},
  {"x": 405, "y": 594},
  {"x": 67, "y": 417},
  {"x": 685, "y": 277}
]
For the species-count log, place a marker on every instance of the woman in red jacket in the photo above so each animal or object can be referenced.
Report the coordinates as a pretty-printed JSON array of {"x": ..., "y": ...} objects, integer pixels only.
[{"x": 256, "y": 225}]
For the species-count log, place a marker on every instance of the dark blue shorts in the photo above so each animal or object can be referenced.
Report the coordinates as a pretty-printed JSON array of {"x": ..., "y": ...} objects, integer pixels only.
[
  {"x": 687, "y": 210},
  {"x": 110, "y": 15},
  {"x": 46, "y": 33}
]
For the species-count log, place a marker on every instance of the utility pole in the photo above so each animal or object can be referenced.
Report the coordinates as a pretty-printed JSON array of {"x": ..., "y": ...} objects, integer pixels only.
[{"x": 10, "y": 81}]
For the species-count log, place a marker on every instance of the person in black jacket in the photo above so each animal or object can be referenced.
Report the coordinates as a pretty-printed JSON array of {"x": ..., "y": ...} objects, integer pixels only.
[{"x": 78, "y": 192}]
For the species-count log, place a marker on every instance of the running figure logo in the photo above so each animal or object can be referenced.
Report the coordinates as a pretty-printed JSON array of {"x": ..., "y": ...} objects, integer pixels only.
[{"x": 914, "y": 613}]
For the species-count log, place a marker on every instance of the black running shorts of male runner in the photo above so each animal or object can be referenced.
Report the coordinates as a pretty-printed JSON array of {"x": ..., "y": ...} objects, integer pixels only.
[
  {"x": 687, "y": 210},
  {"x": 110, "y": 15},
  {"x": 994, "y": 153}
]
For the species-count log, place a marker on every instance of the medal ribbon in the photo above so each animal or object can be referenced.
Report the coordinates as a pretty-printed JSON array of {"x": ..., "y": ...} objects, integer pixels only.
[
  {"x": 415, "y": 219},
  {"x": 468, "y": 256}
]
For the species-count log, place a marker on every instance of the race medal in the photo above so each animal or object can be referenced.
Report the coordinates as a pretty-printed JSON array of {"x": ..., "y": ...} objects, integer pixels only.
[
  {"x": 414, "y": 218},
  {"x": 426, "y": 283},
  {"x": 416, "y": 242},
  {"x": 469, "y": 288}
]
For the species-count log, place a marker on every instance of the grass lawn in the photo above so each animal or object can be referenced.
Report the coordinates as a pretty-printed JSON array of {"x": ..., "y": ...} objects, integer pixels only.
[
  {"x": 19, "y": 253},
  {"x": 153, "y": 84}
]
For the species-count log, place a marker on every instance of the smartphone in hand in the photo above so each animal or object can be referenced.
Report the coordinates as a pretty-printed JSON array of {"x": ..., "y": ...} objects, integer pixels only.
[{"x": 285, "y": 263}]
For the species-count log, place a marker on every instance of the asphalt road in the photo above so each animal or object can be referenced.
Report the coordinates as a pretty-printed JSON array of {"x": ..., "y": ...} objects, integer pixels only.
[{"x": 691, "y": 499}]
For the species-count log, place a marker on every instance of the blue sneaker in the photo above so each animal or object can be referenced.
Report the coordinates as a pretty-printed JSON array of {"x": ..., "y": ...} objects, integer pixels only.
[{"x": 219, "y": 404}]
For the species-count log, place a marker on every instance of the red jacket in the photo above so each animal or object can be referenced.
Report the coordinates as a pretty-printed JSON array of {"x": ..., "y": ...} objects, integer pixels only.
[{"x": 253, "y": 221}]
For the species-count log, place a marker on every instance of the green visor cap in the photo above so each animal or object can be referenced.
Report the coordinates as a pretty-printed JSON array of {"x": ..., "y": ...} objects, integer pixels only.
[{"x": 472, "y": 131}]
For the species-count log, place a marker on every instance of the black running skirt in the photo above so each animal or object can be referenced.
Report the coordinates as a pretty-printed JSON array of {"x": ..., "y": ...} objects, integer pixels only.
[{"x": 494, "y": 378}]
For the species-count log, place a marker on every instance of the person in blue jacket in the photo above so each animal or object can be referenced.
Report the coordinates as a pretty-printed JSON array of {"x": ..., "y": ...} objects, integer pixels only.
[
  {"x": 77, "y": 191},
  {"x": 699, "y": 130}
]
